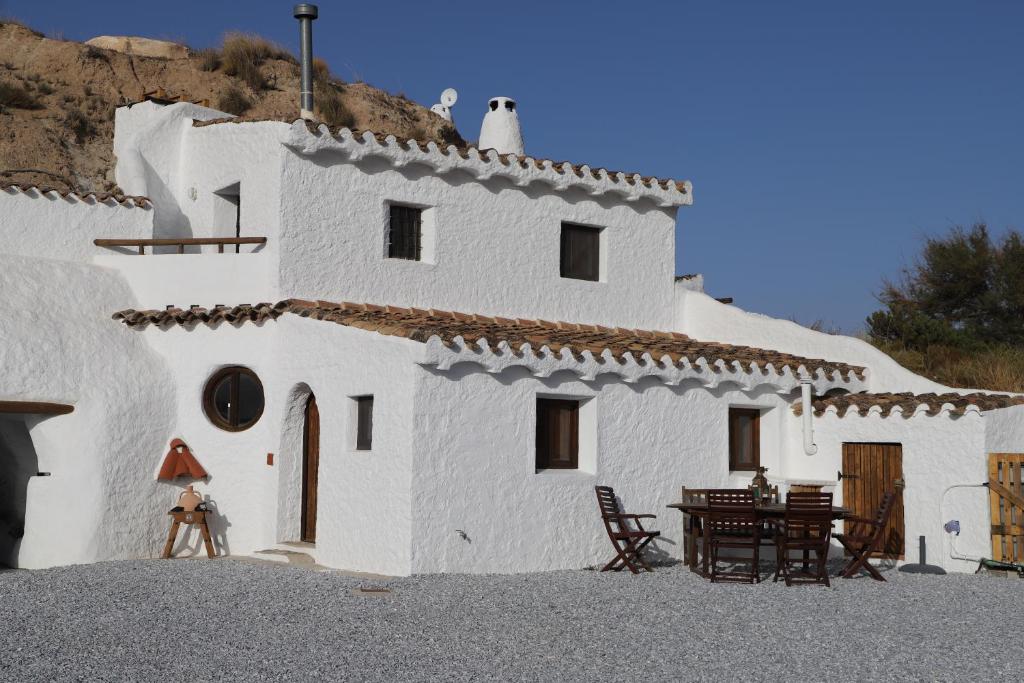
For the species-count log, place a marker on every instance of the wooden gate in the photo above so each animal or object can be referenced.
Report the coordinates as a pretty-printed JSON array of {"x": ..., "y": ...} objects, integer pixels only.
[
  {"x": 1006, "y": 487},
  {"x": 869, "y": 470}
]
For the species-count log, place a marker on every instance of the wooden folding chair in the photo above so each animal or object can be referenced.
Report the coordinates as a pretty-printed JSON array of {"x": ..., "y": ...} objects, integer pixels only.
[
  {"x": 864, "y": 537},
  {"x": 733, "y": 523},
  {"x": 806, "y": 527},
  {"x": 627, "y": 535}
]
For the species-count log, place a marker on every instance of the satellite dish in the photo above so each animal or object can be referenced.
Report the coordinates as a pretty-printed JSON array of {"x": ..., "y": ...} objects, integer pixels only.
[
  {"x": 442, "y": 111},
  {"x": 449, "y": 97}
]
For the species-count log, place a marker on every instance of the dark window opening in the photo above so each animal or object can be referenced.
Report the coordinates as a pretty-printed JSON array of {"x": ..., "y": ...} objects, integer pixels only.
[
  {"x": 580, "y": 253},
  {"x": 510, "y": 105},
  {"x": 233, "y": 398},
  {"x": 558, "y": 427},
  {"x": 744, "y": 439},
  {"x": 232, "y": 195},
  {"x": 405, "y": 232},
  {"x": 364, "y": 423},
  {"x": 494, "y": 105}
]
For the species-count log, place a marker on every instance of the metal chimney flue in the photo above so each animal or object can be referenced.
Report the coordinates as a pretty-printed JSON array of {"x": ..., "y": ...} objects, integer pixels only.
[{"x": 306, "y": 13}]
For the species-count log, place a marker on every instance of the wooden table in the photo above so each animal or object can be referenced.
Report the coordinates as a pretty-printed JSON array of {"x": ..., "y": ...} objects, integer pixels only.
[{"x": 698, "y": 512}]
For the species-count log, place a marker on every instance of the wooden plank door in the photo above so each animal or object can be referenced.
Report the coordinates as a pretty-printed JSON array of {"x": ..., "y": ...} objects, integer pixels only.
[
  {"x": 310, "y": 469},
  {"x": 1006, "y": 471},
  {"x": 869, "y": 470}
]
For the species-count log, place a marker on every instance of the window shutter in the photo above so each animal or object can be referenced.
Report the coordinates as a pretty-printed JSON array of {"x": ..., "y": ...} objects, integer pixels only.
[
  {"x": 580, "y": 252},
  {"x": 557, "y": 434}
]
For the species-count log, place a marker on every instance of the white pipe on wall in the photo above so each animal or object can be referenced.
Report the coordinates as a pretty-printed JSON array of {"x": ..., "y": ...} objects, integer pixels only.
[{"x": 810, "y": 448}]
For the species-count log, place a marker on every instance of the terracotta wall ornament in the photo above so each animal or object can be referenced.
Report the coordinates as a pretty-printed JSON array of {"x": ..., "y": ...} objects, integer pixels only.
[{"x": 179, "y": 462}]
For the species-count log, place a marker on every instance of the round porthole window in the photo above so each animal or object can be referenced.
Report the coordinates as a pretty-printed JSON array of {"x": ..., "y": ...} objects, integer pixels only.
[{"x": 233, "y": 399}]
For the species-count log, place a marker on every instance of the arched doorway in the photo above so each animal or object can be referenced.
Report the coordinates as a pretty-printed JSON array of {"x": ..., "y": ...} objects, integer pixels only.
[{"x": 310, "y": 469}]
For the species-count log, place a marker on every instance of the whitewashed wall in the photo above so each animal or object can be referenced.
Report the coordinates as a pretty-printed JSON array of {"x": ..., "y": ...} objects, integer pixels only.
[
  {"x": 702, "y": 317},
  {"x": 58, "y": 344},
  {"x": 474, "y": 466},
  {"x": 938, "y": 452},
  {"x": 204, "y": 279},
  {"x": 49, "y": 226},
  {"x": 1004, "y": 430},
  {"x": 363, "y": 519},
  {"x": 496, "y": 246}
]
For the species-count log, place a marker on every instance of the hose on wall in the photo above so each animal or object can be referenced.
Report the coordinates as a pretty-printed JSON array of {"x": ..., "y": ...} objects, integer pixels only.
[{"x": 952, "y": 536}]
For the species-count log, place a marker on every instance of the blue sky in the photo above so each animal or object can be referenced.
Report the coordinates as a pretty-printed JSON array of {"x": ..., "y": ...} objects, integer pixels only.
[{"x": 824, "y": 140}]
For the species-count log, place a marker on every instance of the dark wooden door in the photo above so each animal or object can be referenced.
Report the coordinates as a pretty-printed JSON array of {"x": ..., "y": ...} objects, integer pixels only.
[
  {"x": 310, "y": 469},
  {"x": 869, "y": 470}
]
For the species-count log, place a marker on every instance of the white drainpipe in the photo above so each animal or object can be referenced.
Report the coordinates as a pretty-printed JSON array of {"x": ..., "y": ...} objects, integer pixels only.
[{"x": 810, "y": 448}]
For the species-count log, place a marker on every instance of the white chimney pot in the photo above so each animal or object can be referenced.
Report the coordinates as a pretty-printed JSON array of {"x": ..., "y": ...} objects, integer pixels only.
[{"x": 500, "y": 129}]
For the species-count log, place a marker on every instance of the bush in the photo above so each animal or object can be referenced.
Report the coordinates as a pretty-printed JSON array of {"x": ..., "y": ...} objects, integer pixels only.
[
  {"x": 209, "y": 59},
  {"x": 234, "y": 101},
  {"x": 332, "y": 110},
  {"x": 92, "y": 52},
  {"x": 17, "y": 97},
  {"x": 450, "y": 136},
  {"x": 45, "y": 89},
  {"x": 80, "y": 125},
  {"x": 242, "y": 55}
]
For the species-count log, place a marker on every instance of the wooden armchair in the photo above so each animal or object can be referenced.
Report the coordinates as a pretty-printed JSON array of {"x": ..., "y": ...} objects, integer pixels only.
[
  {"x": 733, "y": 524},
  {"x": 864, "y": 536},
  {"x": 806, "y": 527},
  {"x": 625, "y": 531}
]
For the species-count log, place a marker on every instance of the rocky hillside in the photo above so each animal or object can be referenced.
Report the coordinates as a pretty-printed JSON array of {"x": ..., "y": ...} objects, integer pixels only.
[{"x": 57, "y": 100}]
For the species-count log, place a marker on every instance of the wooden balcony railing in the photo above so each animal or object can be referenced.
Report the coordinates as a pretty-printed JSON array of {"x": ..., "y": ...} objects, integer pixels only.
[{"x": 180, "y": 242}]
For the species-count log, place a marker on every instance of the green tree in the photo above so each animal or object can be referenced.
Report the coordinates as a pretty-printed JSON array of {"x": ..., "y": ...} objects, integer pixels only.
[{"x": 965, "y": 292}]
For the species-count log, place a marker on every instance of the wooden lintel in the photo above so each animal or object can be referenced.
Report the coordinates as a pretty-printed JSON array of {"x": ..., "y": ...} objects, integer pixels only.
[{"x": 35, "y": 408}]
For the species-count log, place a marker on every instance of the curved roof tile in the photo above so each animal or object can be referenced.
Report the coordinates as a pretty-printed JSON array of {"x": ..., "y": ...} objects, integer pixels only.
[{"x": 421, "y": 325}]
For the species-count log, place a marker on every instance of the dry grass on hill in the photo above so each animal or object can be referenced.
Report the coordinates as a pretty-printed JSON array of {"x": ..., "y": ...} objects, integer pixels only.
[
  {"x": 996, "y": 369},
  {"x": 57, "y": 100}
]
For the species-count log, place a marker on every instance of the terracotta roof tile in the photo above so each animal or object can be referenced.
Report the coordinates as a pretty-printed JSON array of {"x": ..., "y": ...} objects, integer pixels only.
[
  {"x": 909, "y": 402},
  {"x": 99, "y": 197},
  {"x": 419, "y": 325},
  {"x": 559, "y": 167}
]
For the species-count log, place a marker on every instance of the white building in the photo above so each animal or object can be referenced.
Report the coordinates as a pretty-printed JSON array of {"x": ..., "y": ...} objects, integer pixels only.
[{"x": 425, "y": 454}]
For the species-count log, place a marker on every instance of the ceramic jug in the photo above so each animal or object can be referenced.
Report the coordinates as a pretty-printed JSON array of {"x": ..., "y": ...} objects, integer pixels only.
[{"x": 189, "y": 499}]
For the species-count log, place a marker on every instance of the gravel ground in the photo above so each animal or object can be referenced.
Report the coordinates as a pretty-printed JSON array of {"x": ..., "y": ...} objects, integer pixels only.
[{"x": 228, "y": 619}]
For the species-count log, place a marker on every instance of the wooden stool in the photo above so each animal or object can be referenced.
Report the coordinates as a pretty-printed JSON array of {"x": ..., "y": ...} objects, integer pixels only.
[{"x": 198, "y": 518}]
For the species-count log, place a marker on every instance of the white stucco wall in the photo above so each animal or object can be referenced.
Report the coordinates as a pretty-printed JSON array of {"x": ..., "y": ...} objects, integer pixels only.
[
  {"x": 38, "y": 225},
  {"x": 1004, "y": 430},
  {"x": 704, "y": 318},
  {"x": 938, "y": 452},
  {"x": 205, "y": 279},
  {"x": 363, "y": 514},
  {"x": 218, "y": 156},
  {"x": 474, "y": 465},
  {"x": 496, "y": 245},
  {"x": 58, "y": 344}
]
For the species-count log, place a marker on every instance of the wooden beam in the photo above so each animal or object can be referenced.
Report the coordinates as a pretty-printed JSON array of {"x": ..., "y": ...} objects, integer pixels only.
[
  {"x": 35, "y": 408},
  {"x": 177, "y": 242},
  {"x": 1006, "y": 493}
]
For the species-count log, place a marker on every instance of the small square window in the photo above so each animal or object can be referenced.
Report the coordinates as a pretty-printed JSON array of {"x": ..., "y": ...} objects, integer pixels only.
[
  {"x": 744, "y": 439},
  {"x": 364, "y": 423},
  {"x": 405, "y": 232},
  {"x": 581, "y": 252},
  {"x": 558, "y": 427}
]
